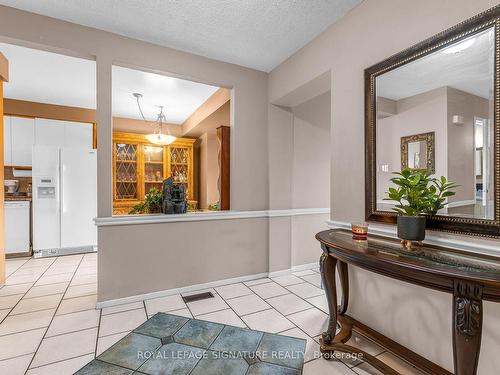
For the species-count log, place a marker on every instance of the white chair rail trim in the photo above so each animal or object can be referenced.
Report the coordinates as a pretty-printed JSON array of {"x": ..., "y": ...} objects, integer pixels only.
[{"x": 204, "y": 216}]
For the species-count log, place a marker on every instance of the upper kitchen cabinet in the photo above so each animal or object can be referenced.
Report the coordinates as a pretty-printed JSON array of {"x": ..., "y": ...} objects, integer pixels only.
[
  {"x": 49, "y": 132},
  {"x": 7, "y": 141},
  {"x": 63, "y": 133},
  {"x": 78, "y": 134},
  {"x": 21, "y": 133},
  {"x": 19, "y": 137},
  {"x": 23, "y": 138}
]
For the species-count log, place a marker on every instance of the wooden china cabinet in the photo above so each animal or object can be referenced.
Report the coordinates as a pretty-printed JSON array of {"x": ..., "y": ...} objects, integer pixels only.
[{"x": 139, "y": 165}]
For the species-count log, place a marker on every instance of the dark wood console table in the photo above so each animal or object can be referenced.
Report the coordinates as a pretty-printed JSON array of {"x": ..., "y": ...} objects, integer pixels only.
[{"x": 470, "y": 278}]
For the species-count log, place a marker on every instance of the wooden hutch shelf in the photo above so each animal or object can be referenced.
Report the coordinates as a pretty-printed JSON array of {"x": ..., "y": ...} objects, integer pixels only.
[{"x": 139, "y": 165}]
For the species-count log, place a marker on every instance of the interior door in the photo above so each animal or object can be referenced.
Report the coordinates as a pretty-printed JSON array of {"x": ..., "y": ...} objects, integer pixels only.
[{"x": 78, "y": 197}]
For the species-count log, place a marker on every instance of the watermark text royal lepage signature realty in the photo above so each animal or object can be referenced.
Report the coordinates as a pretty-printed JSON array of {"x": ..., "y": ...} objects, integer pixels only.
[{"x": 262, "y": 355}]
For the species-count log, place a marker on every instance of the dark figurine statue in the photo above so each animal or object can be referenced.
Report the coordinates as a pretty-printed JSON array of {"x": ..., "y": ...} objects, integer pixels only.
[{"x": 174, "y": 197}]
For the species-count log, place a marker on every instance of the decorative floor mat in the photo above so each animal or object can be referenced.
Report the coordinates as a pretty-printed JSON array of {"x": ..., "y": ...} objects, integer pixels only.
[{"x": 170, "y": 344}]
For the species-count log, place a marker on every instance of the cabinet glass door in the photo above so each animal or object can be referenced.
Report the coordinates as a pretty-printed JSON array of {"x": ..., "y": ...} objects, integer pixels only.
[
  {"x": 153, "y": 167},
  {"x": 179, "y": 165},
  {"x": 126, "y": 171}
]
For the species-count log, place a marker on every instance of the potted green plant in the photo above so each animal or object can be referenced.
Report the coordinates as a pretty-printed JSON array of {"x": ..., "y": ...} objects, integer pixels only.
[
  {"x": 152, "y": 203},
  {"x": 417, "y": 195}
]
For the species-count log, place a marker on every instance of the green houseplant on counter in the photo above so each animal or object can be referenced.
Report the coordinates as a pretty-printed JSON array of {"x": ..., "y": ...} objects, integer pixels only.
[
  {"x": 151, "y": 205},
  {"x": 417, "y": 195}
]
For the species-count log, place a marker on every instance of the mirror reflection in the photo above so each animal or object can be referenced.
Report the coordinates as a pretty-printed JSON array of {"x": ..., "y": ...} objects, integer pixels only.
[
  {"x": 417, "y": 152},
  {"x": 436, "y": 114}
]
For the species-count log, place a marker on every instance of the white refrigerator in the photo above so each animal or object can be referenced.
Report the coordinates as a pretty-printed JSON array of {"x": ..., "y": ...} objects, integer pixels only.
[{"x": 64, "y": 200}]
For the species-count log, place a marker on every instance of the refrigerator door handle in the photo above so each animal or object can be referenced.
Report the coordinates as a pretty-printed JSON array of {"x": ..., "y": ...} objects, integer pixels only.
[
  {"x": 58, "y": 190},
  {"x": 60, "y": 196}
]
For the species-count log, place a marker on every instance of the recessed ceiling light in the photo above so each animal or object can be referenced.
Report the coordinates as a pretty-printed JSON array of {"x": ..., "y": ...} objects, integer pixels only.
[{"x": 459, "y": 47}]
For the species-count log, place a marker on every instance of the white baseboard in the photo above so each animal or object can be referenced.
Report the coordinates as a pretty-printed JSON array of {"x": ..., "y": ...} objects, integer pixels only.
[
  {"x": 301, "y": 267},
  {"x": 212, "y": 284},
  {"x": 279, "y": 273},
  {"x": 168, "y": 292},
  {"x": 470, "y": 202},
  {"x": 304, "y": 267}
]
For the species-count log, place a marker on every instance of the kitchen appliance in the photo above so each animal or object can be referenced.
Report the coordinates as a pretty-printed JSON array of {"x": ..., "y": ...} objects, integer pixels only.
[
  {"x": 64, "y": 200},
  {"x": 11, "y": 186},
  {"x": 17, "y": 227}
]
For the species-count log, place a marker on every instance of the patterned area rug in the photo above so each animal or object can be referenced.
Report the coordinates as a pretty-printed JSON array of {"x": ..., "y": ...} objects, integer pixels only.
[{"x": 170, "y": 344}]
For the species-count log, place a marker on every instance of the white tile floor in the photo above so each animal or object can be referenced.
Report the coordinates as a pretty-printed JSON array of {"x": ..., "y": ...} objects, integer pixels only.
[{"x": 49, "y": 324}]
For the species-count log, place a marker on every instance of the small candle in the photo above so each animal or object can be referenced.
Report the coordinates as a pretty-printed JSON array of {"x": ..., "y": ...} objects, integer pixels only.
[{"x": 359, "y": 231}]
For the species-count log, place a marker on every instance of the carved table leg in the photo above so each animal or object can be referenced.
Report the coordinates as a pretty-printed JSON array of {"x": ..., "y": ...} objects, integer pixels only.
[
  {"x": 327, "y": 267},
  {"x": 344, "y": 282},
  {"x": 467, "y": 326}
]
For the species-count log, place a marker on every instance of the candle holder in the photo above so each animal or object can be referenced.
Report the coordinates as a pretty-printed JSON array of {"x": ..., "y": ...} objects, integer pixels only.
[{"x": 359, "y": 231}]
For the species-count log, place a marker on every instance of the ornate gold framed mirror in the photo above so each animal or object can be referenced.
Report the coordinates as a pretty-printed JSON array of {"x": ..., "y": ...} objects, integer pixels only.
[
  {"x": 436, "y": 106},
  {"x": 417, "y": 152}
]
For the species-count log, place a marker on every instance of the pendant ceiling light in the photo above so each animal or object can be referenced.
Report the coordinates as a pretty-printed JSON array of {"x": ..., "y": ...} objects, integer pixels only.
[{"x": 157, "y": 136}]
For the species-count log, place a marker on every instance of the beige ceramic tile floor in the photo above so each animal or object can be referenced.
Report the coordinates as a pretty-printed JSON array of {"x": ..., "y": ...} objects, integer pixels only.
[{"x": 49, "y": 324}]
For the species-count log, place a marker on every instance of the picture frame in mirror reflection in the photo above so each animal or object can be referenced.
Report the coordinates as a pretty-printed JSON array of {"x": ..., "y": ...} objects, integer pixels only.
[
  {"x": 417, "y": 152},
  {"x": 436, "y": 106}
]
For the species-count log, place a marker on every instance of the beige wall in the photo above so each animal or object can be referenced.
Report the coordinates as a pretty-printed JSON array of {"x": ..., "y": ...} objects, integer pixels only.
[
  {"x": 280, "y": 138},
  {"x": 461, "y": 136},
  {"x": 311, "y": 153},
  {"x": 299, "y": 174},
  {"x": 280, "y": 243},
  {"x": 173, "y": 255},
  {"x": 209, "y": 170},
  {"x": 220, "y": 116},
  {"x": 305, "y": 248},
  {"x": 280, "y": 145},
  {"x": 354, "y": 43},
  {"x": 385, "y": 107},
  {"x": 208, "y": 148},
  {"x": 207, "y": 109}
]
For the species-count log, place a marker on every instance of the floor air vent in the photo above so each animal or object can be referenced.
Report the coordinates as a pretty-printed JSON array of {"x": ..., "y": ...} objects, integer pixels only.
[{"x": 198, "y": 297}]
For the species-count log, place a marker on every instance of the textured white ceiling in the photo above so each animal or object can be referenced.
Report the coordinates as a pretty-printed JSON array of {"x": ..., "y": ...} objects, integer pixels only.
[
  {"x": 179, "y": 97},
  {"x": 46, "y": 77},
  {"x": 470, "y": 70},
  {"x": 255, "y": 33}
]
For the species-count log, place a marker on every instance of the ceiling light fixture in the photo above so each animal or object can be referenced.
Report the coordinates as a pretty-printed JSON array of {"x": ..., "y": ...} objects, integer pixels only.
[
  {"x": 459, "y": 47},
  {"x": 157, "y": 137}
]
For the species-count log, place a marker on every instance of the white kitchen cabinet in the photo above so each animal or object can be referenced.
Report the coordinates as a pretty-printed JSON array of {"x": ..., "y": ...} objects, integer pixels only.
[
  {"x": 63, "y": 133},
  {"x": 17, "y": 226},
  {"x": 7, "y": 141},
  {"x": 78, "y": 134},
  {"x": 49, "y": 132},
  {"x": 23, "y": 138}
]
